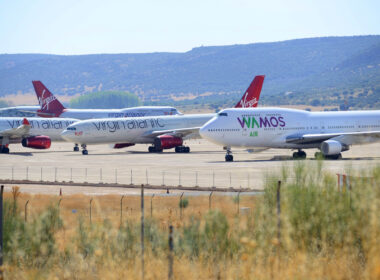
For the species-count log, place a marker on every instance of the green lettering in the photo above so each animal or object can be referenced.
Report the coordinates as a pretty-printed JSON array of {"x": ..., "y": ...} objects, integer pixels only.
[{"x": 247, "y": 123}]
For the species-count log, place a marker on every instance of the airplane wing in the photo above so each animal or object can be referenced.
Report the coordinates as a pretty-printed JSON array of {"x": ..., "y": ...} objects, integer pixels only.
[
  {"x": 17, "y": 132},
  {"x": 347, "y": 138},
  {"x": 187, "y": 133}
]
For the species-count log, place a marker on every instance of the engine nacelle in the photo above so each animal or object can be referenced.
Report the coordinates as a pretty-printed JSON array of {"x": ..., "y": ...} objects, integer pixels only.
[
  {"x": 37, "y": 142},
  {"x": 122, "y": 145},
  {"x": 167, "y": 142},
  {"x": 331, "y": 147}
]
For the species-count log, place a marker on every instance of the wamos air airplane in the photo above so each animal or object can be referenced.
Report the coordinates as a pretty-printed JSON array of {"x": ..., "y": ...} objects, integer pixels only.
[
  {"x": 165, "y": 132},
  {"x": 330, "y": 132},
  {"x": 51, "y": 107},
  {"x": 35, "y": 133}
]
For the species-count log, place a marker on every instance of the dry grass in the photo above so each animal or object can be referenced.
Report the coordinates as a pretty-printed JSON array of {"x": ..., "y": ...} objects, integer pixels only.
[{"x": 324, "y": 234}]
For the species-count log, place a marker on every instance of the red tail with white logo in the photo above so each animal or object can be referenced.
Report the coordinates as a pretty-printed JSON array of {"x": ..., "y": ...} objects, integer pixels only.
[
  {"x": 50, "y": 106},
  {"x": 251, "y": 96}
]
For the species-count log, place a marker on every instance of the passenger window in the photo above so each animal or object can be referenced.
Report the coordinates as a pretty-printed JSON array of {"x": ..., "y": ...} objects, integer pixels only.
[{"x": 223, "y": 114}]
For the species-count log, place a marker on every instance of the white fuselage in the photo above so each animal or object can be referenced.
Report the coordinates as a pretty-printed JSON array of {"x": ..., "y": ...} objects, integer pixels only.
[
  {"x": 38, "y": 126},
  {"x": 131, "y": 130},
  {"x": 19, "y": 111},
  {"x": 142, "y": 111},
  {"x": 271, "y": 127}
]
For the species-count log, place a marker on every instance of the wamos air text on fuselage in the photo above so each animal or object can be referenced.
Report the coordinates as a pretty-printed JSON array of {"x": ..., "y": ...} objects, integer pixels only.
[{"x": 332, "y": 132}]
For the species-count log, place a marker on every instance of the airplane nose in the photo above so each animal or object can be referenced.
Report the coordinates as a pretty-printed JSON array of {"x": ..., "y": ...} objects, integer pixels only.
[
  {"x": 204, "y": 132},
  {"x": 67, "y": 135}
]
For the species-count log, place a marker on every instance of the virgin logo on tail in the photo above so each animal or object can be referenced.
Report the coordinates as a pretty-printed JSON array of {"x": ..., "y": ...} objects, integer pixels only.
[
  {"x": 50, "y": 105},
  {"x": 251, "y": 97},
  {"x": 44, "y": 102},
  {"x": 244, "y": 103}
]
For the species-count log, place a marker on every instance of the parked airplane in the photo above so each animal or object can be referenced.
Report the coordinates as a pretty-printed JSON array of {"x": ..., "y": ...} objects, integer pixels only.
[
  {"x": 36, "y": 133},
  {"x": 51, "y": 107},
  {"x": 163, "y": 132},
  {"x": 19, "y": 111},
  {"x": 330, "y": 132}
]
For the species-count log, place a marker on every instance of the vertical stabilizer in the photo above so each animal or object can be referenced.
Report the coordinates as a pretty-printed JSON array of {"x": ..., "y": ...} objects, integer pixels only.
[
  {"x": 252, "y": 94},
  {"x": 50, "y": 106}
]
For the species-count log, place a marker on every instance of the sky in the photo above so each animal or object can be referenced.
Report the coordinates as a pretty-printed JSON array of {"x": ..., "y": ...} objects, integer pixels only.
[{"x": 139, "y": 26}]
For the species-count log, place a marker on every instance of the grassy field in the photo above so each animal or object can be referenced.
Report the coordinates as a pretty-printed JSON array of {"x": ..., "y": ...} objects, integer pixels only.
[{"x": 320, "y": 233}]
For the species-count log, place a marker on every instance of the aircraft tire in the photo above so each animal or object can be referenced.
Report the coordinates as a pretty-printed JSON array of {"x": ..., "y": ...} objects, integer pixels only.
[
  {"x": 4, "y": 150},
  {"x": 150, "y": 149},
  {"x": 84, "y": 152},
  {"x": 187, "y": 149},
  {"x": 229, "y": 158},
  {"x": 76, "y": 149}
]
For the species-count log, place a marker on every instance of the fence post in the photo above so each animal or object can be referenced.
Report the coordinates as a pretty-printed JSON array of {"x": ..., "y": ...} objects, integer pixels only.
[
  {"x": 1, "y": 231},
  {"x": 55, "y": 174},
  {"x": 91, "y": 210},
  {"x": 278, "y": 211},
  {"x": 121, "y": 210},
  {"x": 180, "y": 206},
  {"x": 209, "y": 201},
  {"x": 238, "y": 202},
  {"x": 27, "y": 173},
  {"x": 116, "y": 176},
  {"x": 26, "y": 211},
  {"x": 41, "y": 173},
  {"x": 151, "y": 206},
  {"x": 131, "y": 178},
  {"x": 142, "y": 232},
  {"x": 196, "y": 178},
  {"x": 170, "y": 257}
]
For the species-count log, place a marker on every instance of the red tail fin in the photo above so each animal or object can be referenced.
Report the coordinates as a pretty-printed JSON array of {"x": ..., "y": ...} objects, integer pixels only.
[
  {"x": 252, "y": 94},
  {"x": 50, "y": 106}
]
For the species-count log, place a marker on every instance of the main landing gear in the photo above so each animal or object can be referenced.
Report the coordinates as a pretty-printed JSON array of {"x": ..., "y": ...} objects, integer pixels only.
[
  {"x": 319, "y": 155},
  {"x": 299, "y": 155},
  {"x": 153, "y": 149},
  {"x": 182, "y": 149},
  {"x": 76, "y": 148},
  {"x": 229, "y": 156},
  {"x": 4, "y": 150},
  {"x": 178, "y": 149},
  {"x": 84, "y": 149}
]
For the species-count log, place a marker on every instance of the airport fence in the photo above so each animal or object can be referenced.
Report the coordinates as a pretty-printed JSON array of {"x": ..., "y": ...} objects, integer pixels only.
[{"x": 131, "y": 176}]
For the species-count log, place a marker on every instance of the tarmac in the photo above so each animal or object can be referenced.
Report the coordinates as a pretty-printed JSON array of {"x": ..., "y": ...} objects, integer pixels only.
[{"x": 204, "y": 166}]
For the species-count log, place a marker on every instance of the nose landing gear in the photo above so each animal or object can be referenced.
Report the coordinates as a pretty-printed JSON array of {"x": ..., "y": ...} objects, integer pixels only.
[
  {"x": 229, "y": 156},
  {"x": 76, "y": 148},
  {"x": 84, "y": 149}
]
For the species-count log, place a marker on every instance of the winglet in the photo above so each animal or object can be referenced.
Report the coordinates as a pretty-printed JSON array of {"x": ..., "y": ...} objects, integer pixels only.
[
  {"x": 252, "y": 94},
  {"x": 48, "y": 102},
  {"x": 25, "y": 121}
]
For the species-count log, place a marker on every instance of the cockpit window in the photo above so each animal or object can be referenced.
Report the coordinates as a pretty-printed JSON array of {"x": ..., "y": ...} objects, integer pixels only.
[
  {"x": 71, "y": 128},
  {"x": 223, "y": 114}
]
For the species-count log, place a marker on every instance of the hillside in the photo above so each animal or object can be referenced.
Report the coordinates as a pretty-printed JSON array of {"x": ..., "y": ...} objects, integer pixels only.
[{"x": 301, "y": 70}]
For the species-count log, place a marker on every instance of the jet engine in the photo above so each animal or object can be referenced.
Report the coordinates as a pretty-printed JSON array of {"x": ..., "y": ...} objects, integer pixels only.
[
  {"x": 331, "y": 147},
  {"x": 37, "y": 142},
  {"x": 122, "y": 145},
  {"x": 167, "y": 142}
]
